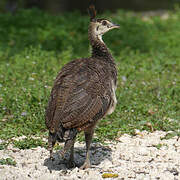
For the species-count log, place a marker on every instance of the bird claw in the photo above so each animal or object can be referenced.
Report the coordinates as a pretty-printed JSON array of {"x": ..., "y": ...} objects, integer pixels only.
[
  {"x": 52, "y": 158},
  {"x": 71, "y": 164},
  {"x": 85, "y": 166},
  {"x": 51, "y": 154},
  {"x": 62, "y": 154}
]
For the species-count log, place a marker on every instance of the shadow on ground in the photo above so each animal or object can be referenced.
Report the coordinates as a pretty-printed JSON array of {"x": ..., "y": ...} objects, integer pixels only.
[{"x": 98, "y": 153}]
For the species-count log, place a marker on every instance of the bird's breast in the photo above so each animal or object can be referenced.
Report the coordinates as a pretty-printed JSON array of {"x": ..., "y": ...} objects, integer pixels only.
[{"x": 113, "y": 99}]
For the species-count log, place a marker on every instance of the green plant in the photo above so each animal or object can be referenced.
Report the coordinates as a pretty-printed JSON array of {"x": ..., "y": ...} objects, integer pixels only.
[
  {"x": 7, "y": 161},
  {"x": 29, "y": 143},
  {"x": 35, "y": 45},
  {"x": 3, "y": 145},
  {"x": 158, "y": 146}
]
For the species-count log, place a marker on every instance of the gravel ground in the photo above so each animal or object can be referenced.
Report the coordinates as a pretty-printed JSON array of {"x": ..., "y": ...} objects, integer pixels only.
[{"x": 136, "y": 157}]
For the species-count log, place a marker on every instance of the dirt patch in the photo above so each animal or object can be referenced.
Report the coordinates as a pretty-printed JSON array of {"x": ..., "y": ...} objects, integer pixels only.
[{"x": 145, "y": 156}]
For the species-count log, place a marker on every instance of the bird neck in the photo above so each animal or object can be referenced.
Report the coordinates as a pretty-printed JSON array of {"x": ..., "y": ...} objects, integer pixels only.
[{"x": 99, "y": 48}]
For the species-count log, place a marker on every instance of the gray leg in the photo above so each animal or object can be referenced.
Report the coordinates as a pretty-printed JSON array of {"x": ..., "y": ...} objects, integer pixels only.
[
  {"x": 71, "y": 162},
  {"x": 88, "y": 138},
  {"x": 69, "y": 143}
]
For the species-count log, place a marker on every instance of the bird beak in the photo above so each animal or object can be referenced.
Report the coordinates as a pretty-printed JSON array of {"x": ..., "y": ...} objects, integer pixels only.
[{"x": 115, "y": 26}]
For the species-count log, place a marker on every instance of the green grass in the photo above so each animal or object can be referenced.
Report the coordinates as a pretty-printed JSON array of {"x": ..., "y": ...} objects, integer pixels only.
[
  {"x": 34, "y": 46},
  {"x": 158, "y": 146},
  {"x": 7, "y": 161},
  {"x": 3, "y": 145},
  {"x": 29, "y": 143}
]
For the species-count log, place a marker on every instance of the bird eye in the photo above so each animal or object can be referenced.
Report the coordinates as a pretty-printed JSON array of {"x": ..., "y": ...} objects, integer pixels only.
[{"x": 104, "y": 23}]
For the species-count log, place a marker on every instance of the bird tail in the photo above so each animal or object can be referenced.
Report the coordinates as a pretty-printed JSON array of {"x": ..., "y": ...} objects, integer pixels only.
[{"x": 66, "y": 134}]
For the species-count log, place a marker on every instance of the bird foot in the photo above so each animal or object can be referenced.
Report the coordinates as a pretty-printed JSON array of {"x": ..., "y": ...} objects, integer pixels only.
[
  {"x": 51, "y": 155},
  {"x": 52, "y": 158},
  {"x": 62, "y": 154},
  {"x": 71, "y": 164},
  {"x": 85, "y": 165}
]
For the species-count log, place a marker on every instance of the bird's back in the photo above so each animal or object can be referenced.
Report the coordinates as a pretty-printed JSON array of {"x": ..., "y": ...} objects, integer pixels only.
[{"x": 82, "y": 94}]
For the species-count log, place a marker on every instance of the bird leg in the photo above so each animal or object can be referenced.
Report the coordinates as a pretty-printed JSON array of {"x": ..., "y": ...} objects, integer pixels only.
[
  {"x": 70, "y": 137},
  {"x": 51, "y": 143},
  {"x": 71, "y": 162},
  {"x": 69, "y": 144},
  {"x": 88, "y": 138}
]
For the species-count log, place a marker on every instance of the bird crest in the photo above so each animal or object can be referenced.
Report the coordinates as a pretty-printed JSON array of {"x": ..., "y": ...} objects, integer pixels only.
[{"x": 92, "y": 12}]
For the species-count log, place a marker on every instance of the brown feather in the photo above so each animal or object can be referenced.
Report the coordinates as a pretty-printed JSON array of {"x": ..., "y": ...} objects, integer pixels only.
[
  {"x": 92, "y": 12},
  {"x": 78, "y": 93}
]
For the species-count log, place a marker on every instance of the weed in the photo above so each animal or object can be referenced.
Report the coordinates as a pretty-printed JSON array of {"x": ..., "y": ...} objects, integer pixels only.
[
  {"x": 3, "y": 145},
  {"x": 7, "y": 161},
  {"x": 158, "y": 146},
  {"x": 57, "y": 147},
  {"x": 171, "y": 135},
  {"x": 29, "y": 143}
]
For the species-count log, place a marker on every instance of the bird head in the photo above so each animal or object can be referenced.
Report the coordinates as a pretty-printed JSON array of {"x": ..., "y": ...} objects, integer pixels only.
[{"x": 100, "y": 26}]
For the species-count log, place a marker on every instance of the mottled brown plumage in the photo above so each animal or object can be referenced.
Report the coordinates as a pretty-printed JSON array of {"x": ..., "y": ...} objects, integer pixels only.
[{"x": 83, "y": 92}]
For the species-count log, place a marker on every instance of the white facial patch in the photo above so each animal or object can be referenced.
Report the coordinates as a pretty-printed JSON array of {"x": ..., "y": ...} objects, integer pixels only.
[
  {"x": 100, "y": 38},
  {"x": 100, "y": 30}
]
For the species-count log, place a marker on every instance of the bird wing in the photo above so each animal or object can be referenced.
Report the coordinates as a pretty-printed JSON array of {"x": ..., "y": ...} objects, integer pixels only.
[{"x": 78, "y": 101}]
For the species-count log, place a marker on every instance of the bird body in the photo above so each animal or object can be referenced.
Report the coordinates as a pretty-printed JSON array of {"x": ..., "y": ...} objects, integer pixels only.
[
  {"x": 83, "y": 93},
  {"x": 83, "y": 89}
]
